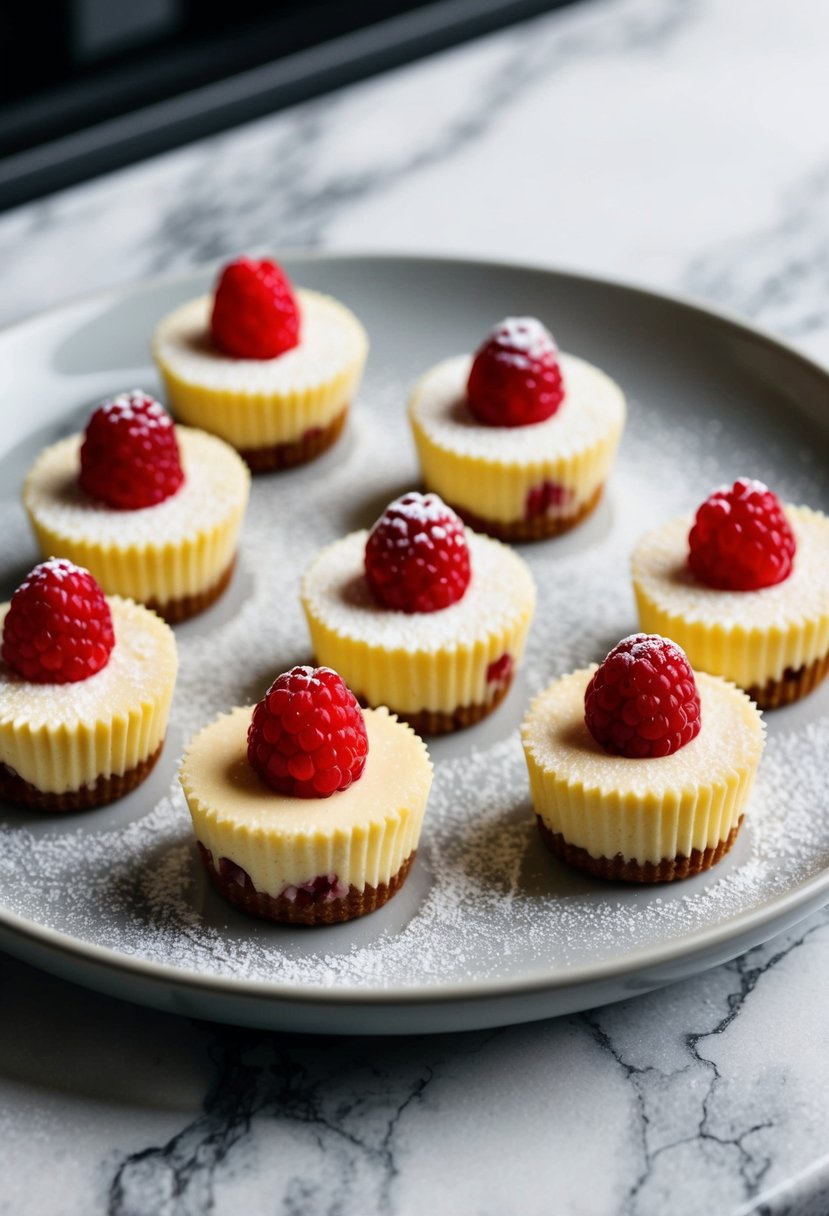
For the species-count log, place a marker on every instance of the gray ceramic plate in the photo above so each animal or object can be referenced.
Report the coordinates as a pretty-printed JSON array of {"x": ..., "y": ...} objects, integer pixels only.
[{"x": 489, "y": 929}]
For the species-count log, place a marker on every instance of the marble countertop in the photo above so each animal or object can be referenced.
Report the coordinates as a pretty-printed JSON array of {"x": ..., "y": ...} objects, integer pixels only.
[{"x": 674, "y": 143}]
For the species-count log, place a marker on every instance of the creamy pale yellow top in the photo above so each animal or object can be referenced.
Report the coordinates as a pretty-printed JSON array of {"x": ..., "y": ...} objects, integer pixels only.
[
  {"x": 747, "y": 636},
  {"x": 490, "y": 471},
  {"x": 331, "y": 341},
  {"x": 648, "y": 809},
  {"x": 362, "y": 835},
  {"x": 179, "y": 547},
  {"x": 593, "y": 404},
  {"x": 59, "y": 737},
  {"x": 500, "y": 592},
  {"x": 215, "y": 486}
]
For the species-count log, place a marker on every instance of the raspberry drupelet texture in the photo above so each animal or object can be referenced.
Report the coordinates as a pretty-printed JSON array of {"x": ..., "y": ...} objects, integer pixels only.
[
  {"x": 515, "y": 378},
  {"x": 58, "y": 628},
  {"x": 741, "y": 539},
  {"x": 643, "y": 700},
  {"x": 129, "y": 455},
  {"x": 307, "y": 736},
  {"x": 417, "y": 557},
  {"x": 255, "y": 313}
]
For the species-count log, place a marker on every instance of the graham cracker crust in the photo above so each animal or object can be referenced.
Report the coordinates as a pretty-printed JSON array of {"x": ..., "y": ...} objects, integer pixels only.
[
  {"x": 439, "y": 722},
  {"x": 621, "y": 869},
  {"x": 106, "y": 789},
  {"x": 175, "y": 611},
  {"x": 293, "y": 912},
  {"x": 791, "y": 686},
  {"x": 538, "y": 527},
  {"x": 286, "y": 455}
]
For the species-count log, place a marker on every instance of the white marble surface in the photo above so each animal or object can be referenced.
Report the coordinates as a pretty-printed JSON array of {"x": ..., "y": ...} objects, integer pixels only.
[{"x": 677, "y": 143}]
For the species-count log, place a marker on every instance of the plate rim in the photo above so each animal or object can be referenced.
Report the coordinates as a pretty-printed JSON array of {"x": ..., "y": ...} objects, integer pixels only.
[
  {"x": 652, "y": 957},
  {"x": 808, "y": 895}
]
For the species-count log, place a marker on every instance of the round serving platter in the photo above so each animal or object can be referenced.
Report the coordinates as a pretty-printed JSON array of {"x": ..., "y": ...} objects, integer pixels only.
[{"x": 489, "y": 928}]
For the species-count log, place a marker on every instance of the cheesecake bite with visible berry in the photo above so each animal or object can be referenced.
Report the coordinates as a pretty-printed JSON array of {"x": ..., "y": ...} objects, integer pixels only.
[
  {"x": 421, "y": 614},
  {"x": 153, "y": 510},
  {"x": 269, "y": 368},
  {"x": 308, "y": 809},
  {"x": 519, "y": 438},
  {"x": 743, "y": 587},
  {"x": 85, "y": 688},
  {"x": 641, "y": 769}
]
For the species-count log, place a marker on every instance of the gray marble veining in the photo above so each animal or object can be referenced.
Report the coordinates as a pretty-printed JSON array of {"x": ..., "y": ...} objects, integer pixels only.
[{"x": 679, "y": 143}]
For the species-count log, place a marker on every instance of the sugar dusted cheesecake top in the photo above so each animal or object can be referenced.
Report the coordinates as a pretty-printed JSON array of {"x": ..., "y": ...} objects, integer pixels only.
[
  {"x": 731, "y": 738},
  {"x": 142, "y": 665},
  {"x": 331, "y": 341},
  {"x": 660, "y": 568},
  {"x": 215, "y": 484},
  {"x": 216, "y": 772},
  {"x": 500, "y": 592},
  {"x": 592, "y": 405}
]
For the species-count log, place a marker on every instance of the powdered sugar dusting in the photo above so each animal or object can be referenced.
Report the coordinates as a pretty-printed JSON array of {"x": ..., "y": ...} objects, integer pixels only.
[
  {"x": 332, "y": 342},
  {"x": 213, "y": 490},
  {"x": 661, "y": 567},
  {"x": 484, "y": 902},
  {"x": 496, "y": 599},
  {"x": 592, "y": 407}
]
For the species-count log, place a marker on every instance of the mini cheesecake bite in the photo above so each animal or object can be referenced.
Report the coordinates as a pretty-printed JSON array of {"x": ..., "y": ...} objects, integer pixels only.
[
  {"x": 153, "y": 511},
  {"x": 743, "y": 587},
  {"x": 85, "y": 689},
  {"x": 269, "y": 368},
  {"x": 640, "y": 771},
  {"x": 519, "y": 439},
  {"x": 307, "y": 810},
  {"x": 421, "y": 614}
]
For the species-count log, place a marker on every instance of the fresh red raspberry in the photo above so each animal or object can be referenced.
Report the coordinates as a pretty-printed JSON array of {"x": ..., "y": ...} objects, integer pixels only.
[
  {"x": 417, "y": 558},
  {"x": 129, "y": 455},
  {"x": 307, "y": 736},
  {"x": 643, "y": 700},
  {"x": 255, "y": 313},
  {"x": 741, "y": 539},
  {"x": 58, "y": 628},
  {"x": 515, "y": 378}
]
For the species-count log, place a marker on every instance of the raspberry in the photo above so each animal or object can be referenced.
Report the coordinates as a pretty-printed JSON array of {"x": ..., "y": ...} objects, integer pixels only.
[
  {"x": 741, "y": 539},
  {"x": 515, "y": 378},
  {"x": 129, "y": 455},
  {"x": 255, "y": 313},
  {"x": 307, "y": 736},
  {"x": 417, "y": 558},
  {"x": 58, "y": 628},
  {"x": 643, "y": 699},
  {"x": 542, "y": 498},
  {"x": 500, "y": 670}
]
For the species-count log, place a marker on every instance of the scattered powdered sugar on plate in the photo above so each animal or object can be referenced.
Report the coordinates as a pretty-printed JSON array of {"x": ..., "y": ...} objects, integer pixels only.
[
  {"x": 485, "y": 902},
  {"x": 495, "y": 905}
]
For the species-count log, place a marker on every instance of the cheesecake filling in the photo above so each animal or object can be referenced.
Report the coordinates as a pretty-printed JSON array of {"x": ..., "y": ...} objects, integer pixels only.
[
  {"x": 507, "y": 474},
  {"x": 750, "y": 637},
  {"x": 433, "y": 661},
  {"x": 643, "y": 810},
  {"x": 361, "y": 836},
  {"x": 257, "y": 403},
  {"x": 179, "y": 548},
  {"x": 61, "y": 737}
]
